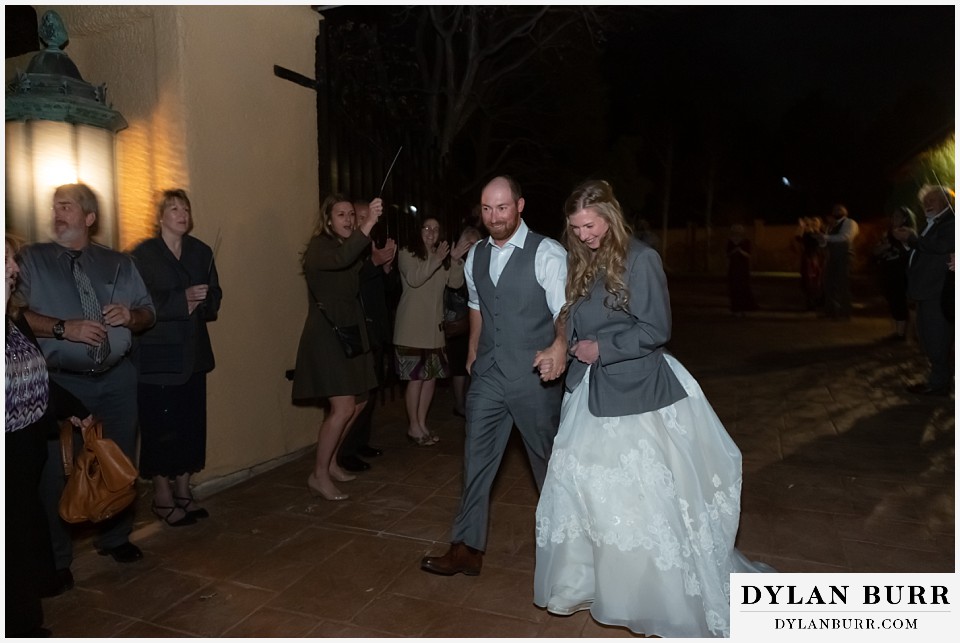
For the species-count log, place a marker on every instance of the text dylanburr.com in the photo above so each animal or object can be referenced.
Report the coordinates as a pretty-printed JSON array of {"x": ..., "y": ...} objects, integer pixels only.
[{"x": 844, "y": 607}]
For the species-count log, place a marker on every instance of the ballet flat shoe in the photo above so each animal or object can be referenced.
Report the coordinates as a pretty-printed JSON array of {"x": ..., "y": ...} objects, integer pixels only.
[{"x": 315, "y": 490}]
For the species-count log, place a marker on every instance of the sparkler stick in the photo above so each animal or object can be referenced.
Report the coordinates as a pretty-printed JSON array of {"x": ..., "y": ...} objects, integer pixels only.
[
  {"x": 946, "y": 196},
  {"x": 384, "y": 184},
  {"x": 116, "y": 275},
  {"x": 216, "y": 248},
  {"x": 394, "y": 162}
]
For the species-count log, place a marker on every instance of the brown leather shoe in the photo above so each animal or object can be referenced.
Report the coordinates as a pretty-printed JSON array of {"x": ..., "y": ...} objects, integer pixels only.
[{"x": 459, "y": 559}]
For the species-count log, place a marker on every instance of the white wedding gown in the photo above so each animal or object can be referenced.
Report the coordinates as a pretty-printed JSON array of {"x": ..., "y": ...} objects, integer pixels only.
[{"x": 638, "y": 516}]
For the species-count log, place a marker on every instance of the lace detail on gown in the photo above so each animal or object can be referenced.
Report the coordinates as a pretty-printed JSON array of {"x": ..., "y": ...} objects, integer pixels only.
[{"x": 643, "y": 508}]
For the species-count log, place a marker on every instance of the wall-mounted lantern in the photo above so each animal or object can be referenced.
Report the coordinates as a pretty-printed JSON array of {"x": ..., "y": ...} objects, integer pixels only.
[{"x": 59, "y": 130}]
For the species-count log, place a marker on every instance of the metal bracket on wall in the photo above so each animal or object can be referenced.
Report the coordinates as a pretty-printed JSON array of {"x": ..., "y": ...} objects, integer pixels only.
[{"x": 295, "y": 77}]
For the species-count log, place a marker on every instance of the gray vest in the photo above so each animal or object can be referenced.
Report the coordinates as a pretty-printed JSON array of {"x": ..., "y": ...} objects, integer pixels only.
[{"x": 516, "y": 319}]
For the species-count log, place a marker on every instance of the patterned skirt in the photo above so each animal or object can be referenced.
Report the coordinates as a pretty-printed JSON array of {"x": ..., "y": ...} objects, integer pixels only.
[{"x": 421, "y": 363}]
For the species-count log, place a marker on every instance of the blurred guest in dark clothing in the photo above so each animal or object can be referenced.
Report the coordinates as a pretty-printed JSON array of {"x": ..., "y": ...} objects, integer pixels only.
[
  {"x": 811, "y": 261},
  {"x": 929, "y": 266},
  {"x": 456, "y": 328},
  {"x": 892, "y": 257},
  {"x": 33, "y": 405},
  {"x": 379, "y": 330},
  {"x": 841, "y": 231},
  {"x": 738, "y": 272}
]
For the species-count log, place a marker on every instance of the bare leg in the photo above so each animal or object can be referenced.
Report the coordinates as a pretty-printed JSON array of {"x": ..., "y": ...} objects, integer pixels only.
[
  {"x": 412, "y": 399},
  {"x": 342, "y": 408},
  {"x": 163, "y": 500},
  {"x": 181, "y": 489},
  {"x": 423, "y": 406},
  {"x": 335, "y": 471}
]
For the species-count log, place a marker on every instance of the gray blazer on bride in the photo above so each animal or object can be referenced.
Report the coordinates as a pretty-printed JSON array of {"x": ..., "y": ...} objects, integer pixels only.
[{"x": 630, "y": 375}]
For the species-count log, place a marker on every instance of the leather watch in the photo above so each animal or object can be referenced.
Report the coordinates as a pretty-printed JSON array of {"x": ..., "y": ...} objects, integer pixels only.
[{"x": 58, "y": 329}]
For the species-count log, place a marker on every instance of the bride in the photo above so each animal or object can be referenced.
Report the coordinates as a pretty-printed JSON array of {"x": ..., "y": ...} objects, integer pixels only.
[{"x": 641, "y": 503}]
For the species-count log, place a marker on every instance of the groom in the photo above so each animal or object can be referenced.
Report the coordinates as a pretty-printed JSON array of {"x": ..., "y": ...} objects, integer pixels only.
[{"x": 516, "y": 280}]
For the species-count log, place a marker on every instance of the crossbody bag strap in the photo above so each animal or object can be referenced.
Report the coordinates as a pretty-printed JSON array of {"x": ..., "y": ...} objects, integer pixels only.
[{"x": 323, "y": 312}]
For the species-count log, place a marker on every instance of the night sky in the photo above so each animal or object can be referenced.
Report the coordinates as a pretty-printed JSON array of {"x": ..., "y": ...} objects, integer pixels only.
[{"x": 835, "y": 99}]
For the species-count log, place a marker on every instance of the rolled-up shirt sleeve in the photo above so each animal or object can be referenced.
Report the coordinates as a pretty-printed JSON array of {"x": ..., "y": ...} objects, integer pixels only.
[
  {"x": 473, "y": 300},
  {"x": 551, "y": 271}
]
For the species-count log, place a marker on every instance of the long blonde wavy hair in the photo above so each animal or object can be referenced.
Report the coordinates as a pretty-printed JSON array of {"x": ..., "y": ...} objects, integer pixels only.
[{"x": 585, "y": 266}]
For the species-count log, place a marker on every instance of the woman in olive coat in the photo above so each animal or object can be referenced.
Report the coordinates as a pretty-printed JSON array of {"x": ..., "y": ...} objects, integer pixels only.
[{"x": 331, "y": 266}]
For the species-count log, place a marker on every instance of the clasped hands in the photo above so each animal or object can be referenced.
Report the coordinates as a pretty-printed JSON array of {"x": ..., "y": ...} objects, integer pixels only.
[
  {"x": 93, "y": 333},
  {"x": 551, "y": 362},
  {"x": 195, "y": 296}
]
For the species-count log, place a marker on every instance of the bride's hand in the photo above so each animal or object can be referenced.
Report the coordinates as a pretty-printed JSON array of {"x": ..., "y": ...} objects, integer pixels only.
[{"x": 586, "y": 350}]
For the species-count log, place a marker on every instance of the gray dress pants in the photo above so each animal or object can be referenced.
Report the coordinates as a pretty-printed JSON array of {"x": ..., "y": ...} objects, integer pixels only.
[{"x": 494, "y": 405}]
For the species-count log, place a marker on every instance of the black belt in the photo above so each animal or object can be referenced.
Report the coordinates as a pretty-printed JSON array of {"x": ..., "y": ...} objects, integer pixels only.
[{"x": 90, "y": 373}]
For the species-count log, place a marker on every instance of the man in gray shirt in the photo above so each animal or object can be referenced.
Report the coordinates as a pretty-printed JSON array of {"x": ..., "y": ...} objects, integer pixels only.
[{"x": 84, "y": 303}]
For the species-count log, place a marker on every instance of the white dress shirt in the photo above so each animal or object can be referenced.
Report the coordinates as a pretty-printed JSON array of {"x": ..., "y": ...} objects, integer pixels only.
[{"x": 550, "y": 267}]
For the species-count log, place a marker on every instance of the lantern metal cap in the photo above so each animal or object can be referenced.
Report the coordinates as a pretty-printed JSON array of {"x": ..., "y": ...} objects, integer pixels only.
[{"x": 53, "y": 90}]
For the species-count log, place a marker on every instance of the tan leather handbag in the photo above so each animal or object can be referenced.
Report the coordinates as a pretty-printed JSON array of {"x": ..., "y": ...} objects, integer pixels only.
[{"x": 100, "y": 482}]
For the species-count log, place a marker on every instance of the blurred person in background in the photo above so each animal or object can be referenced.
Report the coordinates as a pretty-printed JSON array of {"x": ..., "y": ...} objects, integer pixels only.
[
  {"x": 838, "y": 240},
  {"x": 456, "y": 328},
  {"x": 811, "y": 261},
  {"x": 373, "y": 296},
  {"x": 427, "y": 266},
  {"x": 738, "y": 272},
  {"x": 33, "y": 406},
  {"x": 892, "y": 257},
  {"x": 929, "y": 267}
]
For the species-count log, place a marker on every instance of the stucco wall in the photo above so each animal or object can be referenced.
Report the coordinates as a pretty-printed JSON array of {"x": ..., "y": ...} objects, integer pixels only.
[{"x": 207, "y": 113}]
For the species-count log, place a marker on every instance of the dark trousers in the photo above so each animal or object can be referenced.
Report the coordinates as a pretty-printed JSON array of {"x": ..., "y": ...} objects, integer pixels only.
[
  {"x": 936, "y": 338},
  {"x": 359, "y": 434},
  {"x": 112, "y": 398},
  {"x": 29, "y": 557},
  {"x": 836, "y": 284}
]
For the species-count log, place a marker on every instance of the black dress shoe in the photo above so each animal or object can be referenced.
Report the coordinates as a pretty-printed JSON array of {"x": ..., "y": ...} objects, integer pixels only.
[
  {"x": 369, "y": 451},
  {"x": 125, "y": 553},
  {"x": 353, "y": 463},
  {"x": 62, "y": 582}
]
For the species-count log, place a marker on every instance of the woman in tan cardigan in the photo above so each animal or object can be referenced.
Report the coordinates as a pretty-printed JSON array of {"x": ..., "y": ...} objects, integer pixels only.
[{"x": 426, "y": 267}]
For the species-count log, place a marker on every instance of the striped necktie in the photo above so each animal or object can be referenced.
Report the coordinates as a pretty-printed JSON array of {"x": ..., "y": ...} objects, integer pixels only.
[{"x": 90, "y": 305}]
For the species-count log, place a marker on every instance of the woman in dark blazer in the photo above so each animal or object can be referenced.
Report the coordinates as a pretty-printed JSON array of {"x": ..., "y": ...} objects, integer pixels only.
[
  {"x": 174, "y": 358},
  {"x": 641, "y": 502},
  {"x": 331, "y": 266}
]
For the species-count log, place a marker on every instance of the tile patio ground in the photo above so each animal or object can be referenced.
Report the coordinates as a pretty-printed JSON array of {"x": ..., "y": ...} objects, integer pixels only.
[{"x": 843, "y": 472}]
